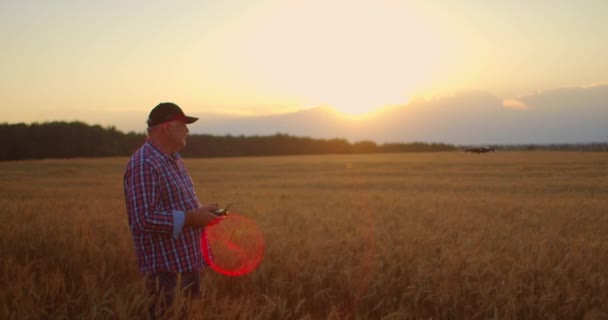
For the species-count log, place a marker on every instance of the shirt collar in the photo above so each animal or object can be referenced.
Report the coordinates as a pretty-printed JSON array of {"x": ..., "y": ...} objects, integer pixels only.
[{"x": 159, "y": 154}]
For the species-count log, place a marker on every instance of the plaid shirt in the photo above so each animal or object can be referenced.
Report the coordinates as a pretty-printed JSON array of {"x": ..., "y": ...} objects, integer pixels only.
[{"x": 158, "y": 191}]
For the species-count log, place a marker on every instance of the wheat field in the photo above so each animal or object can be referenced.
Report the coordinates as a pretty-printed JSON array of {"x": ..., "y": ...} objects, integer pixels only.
[{"x": 509, "y": 235}]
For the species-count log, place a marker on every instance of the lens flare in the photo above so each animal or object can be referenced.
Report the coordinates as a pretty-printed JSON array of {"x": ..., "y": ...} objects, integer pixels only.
[{"x": 236, "y": 245}]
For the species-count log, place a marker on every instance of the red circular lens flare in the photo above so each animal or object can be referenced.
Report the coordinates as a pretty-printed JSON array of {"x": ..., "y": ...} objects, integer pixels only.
[{"x": 237, "y": 246}]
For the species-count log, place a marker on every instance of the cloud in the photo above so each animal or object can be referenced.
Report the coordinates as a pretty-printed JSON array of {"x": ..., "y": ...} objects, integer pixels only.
[
  {"x": 595, "y": 85},
  {"x": 515, "y": 104},
  {"x": 560, "y": 115},
  {"x": 587, "y": 96},
  {"x": 599, "y": 85}
]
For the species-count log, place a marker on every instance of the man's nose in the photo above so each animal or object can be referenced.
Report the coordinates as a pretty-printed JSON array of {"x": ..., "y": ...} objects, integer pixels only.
[{"x": 187, "y": 130}]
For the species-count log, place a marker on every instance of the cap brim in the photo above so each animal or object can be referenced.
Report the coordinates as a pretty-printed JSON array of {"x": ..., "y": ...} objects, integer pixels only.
[{"x": 189, "y": 120}]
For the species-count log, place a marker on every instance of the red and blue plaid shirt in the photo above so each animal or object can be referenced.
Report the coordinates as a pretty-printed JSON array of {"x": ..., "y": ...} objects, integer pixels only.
[{"x": 158, "y": 190}]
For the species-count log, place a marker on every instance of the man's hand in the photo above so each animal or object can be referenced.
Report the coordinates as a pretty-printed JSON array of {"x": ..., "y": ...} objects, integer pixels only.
[
  {"x": 203, "y": 217},
  {"x": 211, "y": 207}
]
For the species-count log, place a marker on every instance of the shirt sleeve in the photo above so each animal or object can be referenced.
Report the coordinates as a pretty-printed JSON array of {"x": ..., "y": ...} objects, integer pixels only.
[
  {"x": 142, "y": 193},
  {"x": 179, "y": 218}
]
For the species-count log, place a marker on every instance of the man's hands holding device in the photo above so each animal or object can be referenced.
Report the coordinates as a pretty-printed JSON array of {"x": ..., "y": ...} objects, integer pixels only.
[{"x": 206, "y": 216}]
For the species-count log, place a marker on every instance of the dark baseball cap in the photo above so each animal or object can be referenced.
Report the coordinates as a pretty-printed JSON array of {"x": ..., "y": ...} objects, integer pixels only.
[{"x": 167, "y": 111}]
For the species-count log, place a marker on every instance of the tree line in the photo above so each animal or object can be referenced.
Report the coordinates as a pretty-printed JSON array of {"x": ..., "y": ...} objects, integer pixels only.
[{"x": 77, "y": 139}]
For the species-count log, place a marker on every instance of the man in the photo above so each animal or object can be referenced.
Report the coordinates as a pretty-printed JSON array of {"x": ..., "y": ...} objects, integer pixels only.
[{"x": 167, "y": 221}]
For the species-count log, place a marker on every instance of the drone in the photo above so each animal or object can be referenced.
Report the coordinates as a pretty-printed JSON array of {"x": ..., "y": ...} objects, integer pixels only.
[{"x": 479, "y": 150}]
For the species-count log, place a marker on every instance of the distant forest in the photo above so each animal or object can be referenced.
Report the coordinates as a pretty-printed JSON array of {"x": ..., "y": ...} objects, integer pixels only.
[{"x": 80, "y": 140}]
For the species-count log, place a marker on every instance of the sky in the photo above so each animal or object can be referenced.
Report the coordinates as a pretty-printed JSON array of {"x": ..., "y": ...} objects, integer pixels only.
[{"x": 100, "y": 61}]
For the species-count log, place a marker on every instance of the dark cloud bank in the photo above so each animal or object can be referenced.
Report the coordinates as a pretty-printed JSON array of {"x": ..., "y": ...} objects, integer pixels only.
[{"x": 565, "y": 115}]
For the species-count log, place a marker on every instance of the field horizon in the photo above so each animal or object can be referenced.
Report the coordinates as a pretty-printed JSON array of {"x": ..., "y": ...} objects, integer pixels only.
[{"x": 447, "y": 235}]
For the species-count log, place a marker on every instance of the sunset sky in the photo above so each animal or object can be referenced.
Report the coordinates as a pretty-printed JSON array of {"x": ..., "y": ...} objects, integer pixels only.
[{"x": 77, "y": 60}]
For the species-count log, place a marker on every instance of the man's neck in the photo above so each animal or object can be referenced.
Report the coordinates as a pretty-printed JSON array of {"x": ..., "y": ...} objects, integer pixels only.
[{"x": 160, "y": 145}]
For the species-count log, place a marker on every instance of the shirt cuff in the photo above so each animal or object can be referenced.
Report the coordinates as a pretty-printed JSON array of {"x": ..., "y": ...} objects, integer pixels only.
[{"x": 179, "y": 218}]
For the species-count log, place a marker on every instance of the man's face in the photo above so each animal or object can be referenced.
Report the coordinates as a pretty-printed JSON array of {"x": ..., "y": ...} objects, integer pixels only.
[{"x": 176, "y": 134}]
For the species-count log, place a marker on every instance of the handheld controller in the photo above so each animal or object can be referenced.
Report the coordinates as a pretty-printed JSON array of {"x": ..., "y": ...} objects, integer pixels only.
[{"x": 222, "y": 212}]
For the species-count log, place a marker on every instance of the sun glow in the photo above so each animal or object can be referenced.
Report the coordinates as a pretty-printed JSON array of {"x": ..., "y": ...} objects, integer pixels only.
[
  {"x": 355, "y": 56},
  {"x": 360, "y": 106}
]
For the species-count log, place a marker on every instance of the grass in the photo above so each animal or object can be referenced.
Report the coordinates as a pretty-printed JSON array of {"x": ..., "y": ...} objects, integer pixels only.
[{"x": 511, "y": 235}]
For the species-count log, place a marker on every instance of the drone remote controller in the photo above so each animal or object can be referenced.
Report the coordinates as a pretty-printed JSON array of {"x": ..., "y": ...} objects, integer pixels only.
[{"x": 222, "y": 212}]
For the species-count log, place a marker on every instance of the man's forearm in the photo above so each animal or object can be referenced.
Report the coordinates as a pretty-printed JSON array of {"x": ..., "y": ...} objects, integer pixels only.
[
  {"x": 200, "y": 218},
  {"x": 193, "y": 218}
]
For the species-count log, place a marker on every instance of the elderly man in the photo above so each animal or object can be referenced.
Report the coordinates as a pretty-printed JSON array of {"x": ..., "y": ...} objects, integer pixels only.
[{"x": 166, "y": 218}]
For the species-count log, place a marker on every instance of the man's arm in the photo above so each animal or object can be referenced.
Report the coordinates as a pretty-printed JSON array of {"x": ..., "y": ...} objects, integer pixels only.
[
  {"x": 142, "y": 193},
  {"x": 202, "y": 217}
]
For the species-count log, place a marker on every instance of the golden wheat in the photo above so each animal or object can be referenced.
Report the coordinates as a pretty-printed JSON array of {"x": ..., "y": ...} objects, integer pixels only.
[{"x": 396, "y": 236}]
